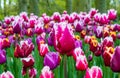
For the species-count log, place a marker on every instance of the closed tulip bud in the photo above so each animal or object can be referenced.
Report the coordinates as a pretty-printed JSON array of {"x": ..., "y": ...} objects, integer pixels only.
[
  {"x": 6, "y": 75},
  {"x": 2, "y": 56},
  {"x": 52, "y": 59},
  {"x": 32, "y": 73},
  {"x": 90, "y": 57},
  {"x": 43, "y": 49},
  {"x": 94, "y": 72},
  {"x": 115, "y": 62},
  {"x": 28, "y": 61},
  {"x": 46, "y": 73}
]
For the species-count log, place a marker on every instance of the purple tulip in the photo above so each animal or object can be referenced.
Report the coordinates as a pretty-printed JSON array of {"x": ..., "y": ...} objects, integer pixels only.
[
  {"x": 2, "y": 56},
  {"x": 52, "y": 59},
  {"x": 78, "y": 43},
  {"x": 115, "y": 62},
  {"x": 79, "y": 26},
  {"x": 99, "y": 32},
  {"x": 50, "y": 39},
  {"x": 16, "y": 27}
]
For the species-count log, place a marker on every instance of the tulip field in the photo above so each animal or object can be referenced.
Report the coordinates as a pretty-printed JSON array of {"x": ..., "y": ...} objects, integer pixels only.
[{"x": 76, "y": 45}]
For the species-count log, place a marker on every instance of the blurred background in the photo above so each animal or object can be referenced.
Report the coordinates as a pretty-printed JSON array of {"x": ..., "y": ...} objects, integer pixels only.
[{"x": 38, "y": 7}]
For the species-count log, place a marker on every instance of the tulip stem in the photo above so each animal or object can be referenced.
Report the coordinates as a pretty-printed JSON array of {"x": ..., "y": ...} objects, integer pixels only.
[
  {"x": 119, "y": 75},
  {"x": 65, "y": 66}
]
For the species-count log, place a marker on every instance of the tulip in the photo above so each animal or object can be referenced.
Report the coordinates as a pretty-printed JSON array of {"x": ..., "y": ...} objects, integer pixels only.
[
  {"x": 63, "y": 39},
  {"x": 5, "y": 43},
  {"x": 7, "y": 20},
  {"x": 90, "y": 57},
  {"x": 104, "y": 19},
  {"x": 94, "y": 72},
  {"x": 17, "y": 27},
  {"x": 2, "y": 56},
  {"x": 79, "y": 26},
  {"x": 87, "y": 19},
  {"x": 107, "y": 54},
  {"x": 87, "y": 39},
  {"x": 7, "y": 74},
  {"x": 56, "y": 17},
  {"x": 50, "y": 39},
  {"x": 92, "y": 12},
  {"x": 46, "y": 73},
  {"x": 52, "y": 59},
  {"x": 78, "y": 43},
  {"x": 81, "y": 63},
  {"x": 32, "y": 22},
  {"x": 93, "y": 44},
  {"x": 40, "y": 40},
  {"x": 79, "y": 57},
  {"x": 115, "y": 62},
  {"x": 46, "y": 19},
  {"x": 24, "y": 16},
  {"x": 113, "y": 35},
  {"x": 118, "y": 35},
  {"x": 39, "y": 28},
  {"x": 77, "y": 51},
  {"x": 32, "y": 73},
  {"x": 43, "y": 49},
  {"x": 107, "y": 42},
  {"x": 24, "y": 49},
  {"x": 28, "y": 61},
  {"x": 99, "y": 32},
  {"x": 83, "y": 33},
  {"x": 112, "y": 14},
  {"x": 29, "y": 32},
  {"x": 97, "y": 17}
]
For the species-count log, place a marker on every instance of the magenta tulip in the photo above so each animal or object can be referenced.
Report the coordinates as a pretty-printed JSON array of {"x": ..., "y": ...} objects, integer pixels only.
[
  {"x": 94, "y": 72},
  {"x": 46, "y": 73}
]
